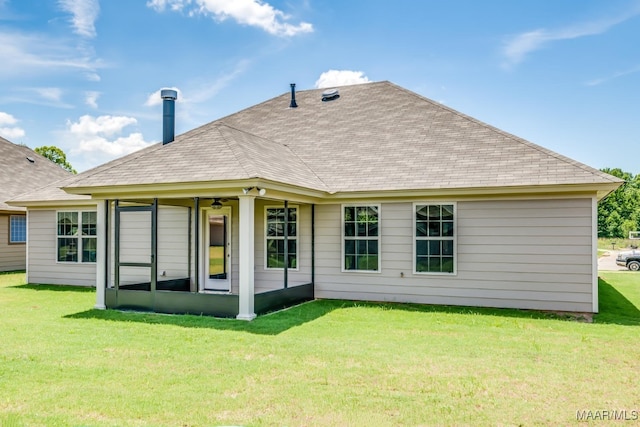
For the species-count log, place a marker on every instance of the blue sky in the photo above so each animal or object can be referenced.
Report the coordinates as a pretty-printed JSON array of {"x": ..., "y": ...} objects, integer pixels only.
[{"x": 85, "y": 74}]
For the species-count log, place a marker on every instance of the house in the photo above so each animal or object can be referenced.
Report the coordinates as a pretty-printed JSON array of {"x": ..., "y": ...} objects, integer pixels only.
[
  {"x": 21, "y": 170},
  {"x": 366, "y": 192}
]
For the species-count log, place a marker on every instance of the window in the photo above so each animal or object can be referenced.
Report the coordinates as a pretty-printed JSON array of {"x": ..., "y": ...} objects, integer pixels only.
[
  {"x": 77, "y": 240},
  {"x": 361, "y": 239},
  {"x": 435, "y": 238},
  {"x": 17, "y": 229},
  {"x": 274, "y": 241}
]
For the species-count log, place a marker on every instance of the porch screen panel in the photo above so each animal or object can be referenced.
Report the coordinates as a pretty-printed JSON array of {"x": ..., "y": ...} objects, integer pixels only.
[
  {"x": 135, "y": 237},
  {"x": 135, "y": 247}
]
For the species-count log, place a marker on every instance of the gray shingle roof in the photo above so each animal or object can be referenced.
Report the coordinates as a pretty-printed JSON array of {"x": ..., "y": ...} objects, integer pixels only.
[
  {"x": 19, "y": 175},
  {"x": 374, "y": 137}
]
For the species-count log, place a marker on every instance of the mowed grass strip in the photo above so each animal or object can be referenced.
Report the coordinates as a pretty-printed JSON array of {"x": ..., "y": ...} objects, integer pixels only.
[{"x": 322, "y": 363}]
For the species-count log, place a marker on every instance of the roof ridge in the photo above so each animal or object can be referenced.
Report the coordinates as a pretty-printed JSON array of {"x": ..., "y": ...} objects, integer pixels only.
[
  {"x": 233, "y": 149},
  {"x": 281, "y": 145},
  {"x": 511, "y": 136}
]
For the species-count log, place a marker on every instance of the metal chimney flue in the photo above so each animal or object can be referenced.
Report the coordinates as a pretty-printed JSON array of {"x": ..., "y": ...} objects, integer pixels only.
[
  {"x": 169, "y": 97},
  {"x": 293, "y": 96}
]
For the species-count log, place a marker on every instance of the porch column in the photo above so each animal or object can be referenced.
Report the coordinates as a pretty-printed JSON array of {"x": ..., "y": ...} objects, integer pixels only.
[
  {"x": 246, "y": 258},
  {"x": 101, "y": 256}
]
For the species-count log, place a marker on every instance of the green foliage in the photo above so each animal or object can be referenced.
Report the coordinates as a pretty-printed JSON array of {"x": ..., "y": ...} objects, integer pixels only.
[
  {"x": 619, "y": 212},
  {"x": 56, "y": 155}
]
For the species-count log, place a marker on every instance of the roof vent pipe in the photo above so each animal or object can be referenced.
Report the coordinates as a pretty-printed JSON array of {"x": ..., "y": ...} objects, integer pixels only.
[
  {"x": 169, "y": 97},
  {"x": 293, "y": 96}
]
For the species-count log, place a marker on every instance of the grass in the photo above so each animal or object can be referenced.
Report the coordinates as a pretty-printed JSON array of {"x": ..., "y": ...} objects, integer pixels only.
[
  {"x": 620, "y": 244},
  {"x": 322, "y": 363}
]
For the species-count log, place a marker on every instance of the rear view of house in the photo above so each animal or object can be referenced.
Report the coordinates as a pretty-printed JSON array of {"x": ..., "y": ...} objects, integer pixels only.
[
  {"x": 366, "y": 192},
  {"x": 21, "y": 170}
]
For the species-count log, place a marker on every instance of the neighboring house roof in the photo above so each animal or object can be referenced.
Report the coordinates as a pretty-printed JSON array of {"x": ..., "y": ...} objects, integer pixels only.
[
  {"x": 22, "y": 170},
  {"x": 375, "y": 137}
]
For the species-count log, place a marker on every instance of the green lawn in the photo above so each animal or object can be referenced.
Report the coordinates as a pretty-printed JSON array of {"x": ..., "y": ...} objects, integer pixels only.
[
  {"x": 617, "y": 244},
  {"x": 323, "y": 363}
]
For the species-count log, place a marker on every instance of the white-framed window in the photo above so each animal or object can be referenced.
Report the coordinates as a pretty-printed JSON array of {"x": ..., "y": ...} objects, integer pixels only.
[
  {"x": 274, "y": 252},
  {"x": 435, "y": 238},
  {"x": 77, "y": 236},
  {"x": 361, "y": 238},
  {"x": 17, "y": 229}
]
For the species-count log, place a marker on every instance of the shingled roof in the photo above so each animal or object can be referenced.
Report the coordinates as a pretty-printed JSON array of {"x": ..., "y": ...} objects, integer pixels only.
[
  {"x": 373, "y": 137},
  {"x": 23, "y": 170}
]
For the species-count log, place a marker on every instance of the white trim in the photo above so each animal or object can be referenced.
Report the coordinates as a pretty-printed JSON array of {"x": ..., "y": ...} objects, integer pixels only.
[
  {"x": 28, "y": 249},
  {"x": 101, "y": 265},
  {"x": 204, "y": 253},
  {"x": 246, "y": 259},
  {"x": 297, "y": 267},
  {"x": 454, "y": 239},
  {"x": 594, "y": 254},
  {"x": 343, "y": 237},
  {"x": 79, "y": 236}
]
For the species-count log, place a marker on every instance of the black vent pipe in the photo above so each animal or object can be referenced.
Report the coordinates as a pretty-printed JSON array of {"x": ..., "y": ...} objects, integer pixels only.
[
  {"x": 169, "y": 97},
  {"x": 293, "y": 96}
]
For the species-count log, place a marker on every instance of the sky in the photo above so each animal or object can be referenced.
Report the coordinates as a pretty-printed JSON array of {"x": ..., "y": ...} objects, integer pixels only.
[{"x": 85, "y": 75}]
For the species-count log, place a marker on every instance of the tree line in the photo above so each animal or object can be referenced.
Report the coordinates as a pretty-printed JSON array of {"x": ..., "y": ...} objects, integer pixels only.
[{"x": 619, "y": 212}]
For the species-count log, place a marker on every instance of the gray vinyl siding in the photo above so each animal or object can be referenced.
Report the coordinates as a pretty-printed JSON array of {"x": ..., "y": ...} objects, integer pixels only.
[
  {"x": 12, "y": 256},
  {"x": 534, "y": 254},
  {"x": 42, "y": 246}
]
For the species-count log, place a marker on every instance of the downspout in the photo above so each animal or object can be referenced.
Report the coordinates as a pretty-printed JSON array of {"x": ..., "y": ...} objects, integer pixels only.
[
  {"x": 313, "y": 247},
  {"x": 196, "y": 240},
  {"x": 107, "y": 206},
  {"x": 286, "y": 244},
  {"x": 116, "y": 249},
  {"x": 189, "y": 240},
  {"x": 154, "y": 248}
]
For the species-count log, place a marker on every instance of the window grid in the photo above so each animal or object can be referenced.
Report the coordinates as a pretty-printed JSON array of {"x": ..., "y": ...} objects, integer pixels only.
[
  {"x": 17, "y": 229},
  {"x": 361, "y": 238},
  {"x": 274, "y": 238},
  {"x": 77, "y": 236},
  {"x": 435, "y": 239}
]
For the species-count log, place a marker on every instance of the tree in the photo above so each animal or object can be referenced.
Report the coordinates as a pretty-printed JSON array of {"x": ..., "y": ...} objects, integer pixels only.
[
  {"x": 56, "y": 155},
  {"x": 619, "y": 212}
]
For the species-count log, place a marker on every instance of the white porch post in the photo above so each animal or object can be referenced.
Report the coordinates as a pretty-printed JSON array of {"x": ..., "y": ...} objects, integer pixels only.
[
  {"x": 246, "y": 258},
  {"x": 101, "y": 256}
]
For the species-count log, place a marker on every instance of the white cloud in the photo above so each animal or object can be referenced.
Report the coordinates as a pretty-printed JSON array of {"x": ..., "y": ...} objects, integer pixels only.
[
  {"x": 91, "y": 98},
  {"x": 115, "y": 148},
  {"x": 10, "y": 131},
  {"x": 155, "y": 99},
  {"x": 49, "y": 93},
  {"x": 85, "y": 13},
  {"x": 211, "y": 88},
  {"x": 28, "y": 54},
  {"x": 92, "y": 76},
  {"x": 518, "y": 47},
  {"x": 95, "y": 140},
  {"x": 7, "y": 119},
  {"x": 105, "y": 125},
  {"x": 601, "y": 80},
  {"x": 255, "y": 13},
  {"x": 333, "y": 78}
]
